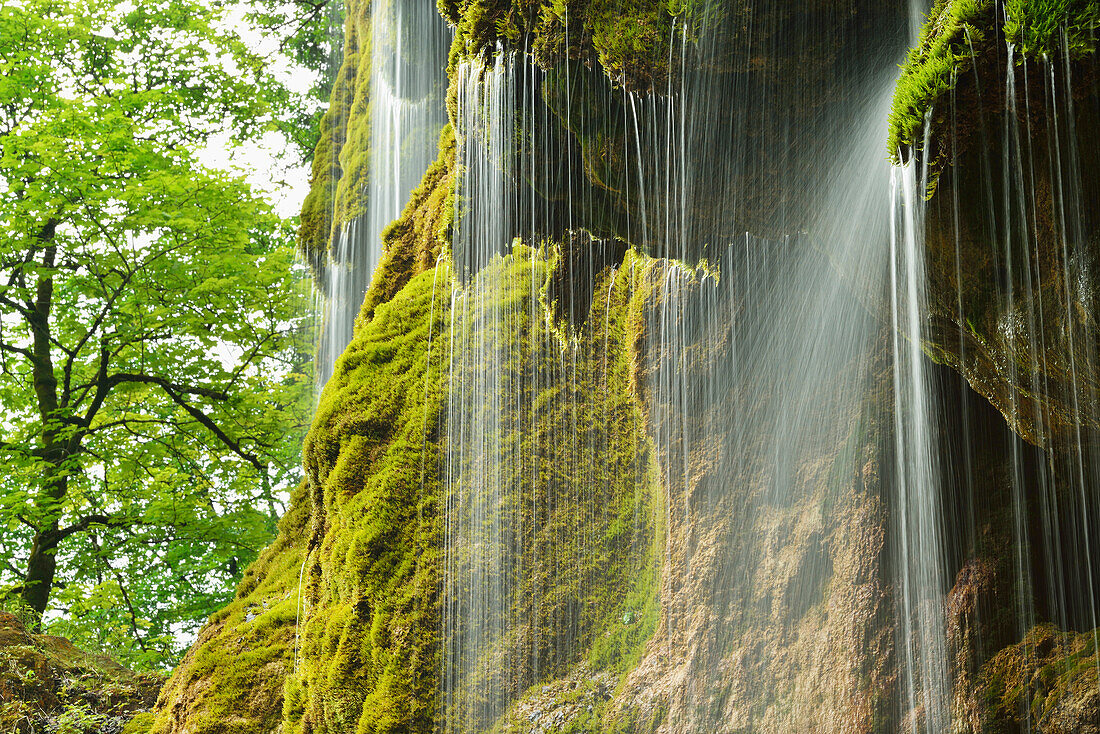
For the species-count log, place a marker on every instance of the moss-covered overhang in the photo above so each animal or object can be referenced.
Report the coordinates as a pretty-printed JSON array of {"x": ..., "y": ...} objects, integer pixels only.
[
  {"x": 964, "y": 43},
  {"x": 631, "y": 40},
  {"x": 1009, "y": 231}
]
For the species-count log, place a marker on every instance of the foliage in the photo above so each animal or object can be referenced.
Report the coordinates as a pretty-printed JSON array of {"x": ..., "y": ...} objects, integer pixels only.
[
  {"x": 959, "y": 32},
  {"x": 1044, "y": 27},
  {"x": 234, "y": 674},
  {"x": 310, "y": 35},
  {"x": 152, "y": 357},
  {"x": 48, "y": 685},
  {"x": 948, "y": 42}
]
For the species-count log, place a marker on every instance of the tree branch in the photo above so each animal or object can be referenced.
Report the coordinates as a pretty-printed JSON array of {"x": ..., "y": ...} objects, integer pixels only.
[
  {"x": 202, "y": 418},
  {"x": 107, "y": 521}
]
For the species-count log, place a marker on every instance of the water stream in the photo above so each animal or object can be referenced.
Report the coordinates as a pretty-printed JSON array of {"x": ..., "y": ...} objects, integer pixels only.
[{"x": 408, "y": 47}]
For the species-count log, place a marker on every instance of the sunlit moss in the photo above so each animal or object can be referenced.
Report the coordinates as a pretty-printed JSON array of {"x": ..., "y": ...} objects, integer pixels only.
[
  {"x": 1050, "y": 677},
  {"x": 369, "y": 641},
  {"x": 1045, "y": 27},
  {"x": 961, "y": 32},
  {"x": 332, "y": 199},
  {"x": 412, "y": 243},
  {"x": 956, "y": 31}
]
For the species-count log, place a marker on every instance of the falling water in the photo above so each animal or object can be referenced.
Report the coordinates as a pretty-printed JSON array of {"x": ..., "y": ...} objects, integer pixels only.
[
  {"x": 793, "y": 516},
  {"x": 409, "y": 43},
  {"x": 542, "y": 508},
  {"x": 1009, "y": 299},
  {"x": 920, "y": 548},
  {"x": 758, "y": 367}
]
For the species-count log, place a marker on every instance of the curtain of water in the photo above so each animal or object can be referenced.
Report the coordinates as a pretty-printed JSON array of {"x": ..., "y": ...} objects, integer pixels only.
[
  {"x": 920, "y": 527},
  {"x": 408, "y": 44},
  {"x": 763, "y": 366},
  {"x": 533, "y": 534},
  {"x": 1011, "y": 248}
]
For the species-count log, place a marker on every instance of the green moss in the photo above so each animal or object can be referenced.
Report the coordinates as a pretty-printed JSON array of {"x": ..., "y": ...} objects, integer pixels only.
[
  {"x": 586, "y": 493},
  {"x": 355, "y": 153},
  {"x": 956, "y": 31},
  {"x": 369, "y": 642},
  {"x": 1049, "y": 677},
  {"x": 1046, "y": 27},
  {"x": 412, "y": 244},
  {"x": 140, "y": 724},
  {"x": 319, "y": 214},
  {"x": 960, "y": 33},
  {"x": 629, "y": 39}
]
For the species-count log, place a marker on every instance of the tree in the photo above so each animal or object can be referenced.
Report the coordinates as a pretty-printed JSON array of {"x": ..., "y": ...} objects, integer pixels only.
[
  {"x": 153, "y": 361},
  {"x": 311, "y": 33}
]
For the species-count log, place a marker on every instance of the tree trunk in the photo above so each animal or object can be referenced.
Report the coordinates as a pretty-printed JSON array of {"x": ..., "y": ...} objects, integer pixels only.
[
  {"x": 42, "y": 562},
  {"x": 41, "y": 567}
]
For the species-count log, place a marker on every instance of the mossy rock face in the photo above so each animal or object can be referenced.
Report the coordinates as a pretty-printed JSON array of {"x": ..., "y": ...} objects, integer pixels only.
[
  {"x": 368, "y": 638},
  {"x": 1046, "y": 683},
  {"x": 776, "y": 82},
  {"x": 407, "y": 34},
  {"x": 548, "y": 377},
  {"x": 1011, "y": 294},
  {"x": 412, "y": 244},
  {"x": 47, "y": 684},
  {"x": 320, "y": 216}
]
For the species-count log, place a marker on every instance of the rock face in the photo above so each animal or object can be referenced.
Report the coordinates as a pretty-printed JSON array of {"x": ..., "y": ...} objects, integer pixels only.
[
  {"x": 1003, "y": 116},
  {"x": 47, "y": 685},
  {"x": 575, "y": 389}
]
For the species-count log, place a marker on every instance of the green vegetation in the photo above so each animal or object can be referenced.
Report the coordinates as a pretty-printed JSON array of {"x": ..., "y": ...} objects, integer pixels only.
[
  {"x": 1049, "y": 677},
  {"x": 630, "y": 39},
  {"x": 309, "y": 35},
  {"x": 46, "y": 679},
  {"x": 319, "y": 214},
  {"x": 1046, "y": 27},
  {"x": 954, "y": 34},
  {"x": 959, "y": 33},
  {"x": 368, "y": 642},
  {"x": 153, "y": 364},
  {"x": 235, "y": 673},
  {"x": 413, "y": 243}
]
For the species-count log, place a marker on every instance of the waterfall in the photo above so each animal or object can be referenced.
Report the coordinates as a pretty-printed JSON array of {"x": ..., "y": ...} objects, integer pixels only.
[
  {"x": 920, "y": 527},
  {"x": 797, "y": 476},
  {"x": 759, "y": 360},
  {"x": 408, "y": 53}
]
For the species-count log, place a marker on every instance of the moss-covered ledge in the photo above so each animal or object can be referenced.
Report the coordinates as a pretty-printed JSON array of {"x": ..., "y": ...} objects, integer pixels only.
[
  {"x": 631, "y": 40},
  {"x": 964, "y": 39}
]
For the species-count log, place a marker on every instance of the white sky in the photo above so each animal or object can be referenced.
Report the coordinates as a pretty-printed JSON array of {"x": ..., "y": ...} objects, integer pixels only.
[{"x": 284, "y": 180}]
